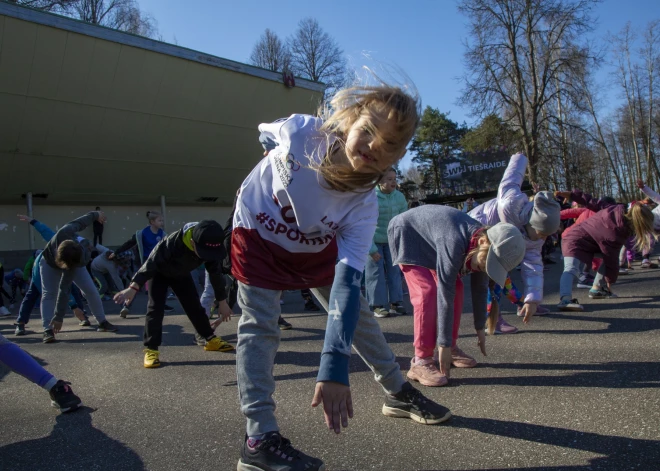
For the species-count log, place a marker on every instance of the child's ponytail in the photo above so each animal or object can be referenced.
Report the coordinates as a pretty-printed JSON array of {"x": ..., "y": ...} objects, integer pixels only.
[{"x": 641, "y": 218}]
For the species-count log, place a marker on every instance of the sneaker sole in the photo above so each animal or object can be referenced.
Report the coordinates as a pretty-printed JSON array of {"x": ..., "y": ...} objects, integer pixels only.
[
  {"x": 286, "y": 327},
  {"x": 398, "y": 413},
  {"x": 155, "y": 365},
  {"x": 584, "y": 286},
  {"x": 221, "y": 349},
  {"x": 248, "y": 467},
  {"x": 66, "y": 409},
  {"x": 424, "y": 382},
  {"x": 48, "y": 341},
  {"x": 382, "y": 316}
]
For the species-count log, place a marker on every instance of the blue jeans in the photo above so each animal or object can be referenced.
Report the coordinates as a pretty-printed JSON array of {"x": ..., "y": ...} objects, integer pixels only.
[
  {"x": 382, "y": 278},
  {"x": 30, "y": 300},
  {"x": 572, "y": 270}
]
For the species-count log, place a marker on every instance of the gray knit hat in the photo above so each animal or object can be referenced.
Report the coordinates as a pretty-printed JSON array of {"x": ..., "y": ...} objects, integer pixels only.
[{"x": 545, "y": 214}]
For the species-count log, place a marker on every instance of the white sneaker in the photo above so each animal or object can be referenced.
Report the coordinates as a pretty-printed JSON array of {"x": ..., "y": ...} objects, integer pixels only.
[{"x": 4, "y": 311}]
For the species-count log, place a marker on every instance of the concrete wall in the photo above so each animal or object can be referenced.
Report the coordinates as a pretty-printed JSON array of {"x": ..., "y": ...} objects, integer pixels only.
[{"x": 122, "y": 222}]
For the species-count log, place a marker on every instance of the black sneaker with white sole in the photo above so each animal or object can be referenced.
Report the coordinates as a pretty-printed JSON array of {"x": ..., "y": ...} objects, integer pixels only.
[
  {"x": 167, "y": 308},
  {"x": 62, "y": 397},
  {"x": 49, "y": 336},
  {"x": 106, "y": 326},
  {"x": 275, "y": 453},
  {"x": 412, "y": 404}
]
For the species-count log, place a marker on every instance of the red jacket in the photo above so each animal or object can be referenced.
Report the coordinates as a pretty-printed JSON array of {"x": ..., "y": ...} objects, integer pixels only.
[
  {"x": 604, "y": 233},
  {"x": 579, "y": 214}
]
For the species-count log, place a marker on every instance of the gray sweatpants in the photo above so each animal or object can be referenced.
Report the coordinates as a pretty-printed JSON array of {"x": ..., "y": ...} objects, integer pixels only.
[
  {"x": 50, "y": 285},
  {"x": 259, "y": 338}
]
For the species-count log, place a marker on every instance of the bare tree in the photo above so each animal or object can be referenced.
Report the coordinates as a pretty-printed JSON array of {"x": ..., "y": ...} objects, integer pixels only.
[
  {"x": 315, "y": 55},
  {"x": 123, "y": 15},
  {"x": 520, "y": 49},
  {"x": 270, "y": 53}
]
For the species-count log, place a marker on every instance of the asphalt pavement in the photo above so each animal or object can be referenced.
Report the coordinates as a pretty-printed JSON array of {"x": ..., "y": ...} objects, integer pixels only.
[{"x": 569, "y": 391}]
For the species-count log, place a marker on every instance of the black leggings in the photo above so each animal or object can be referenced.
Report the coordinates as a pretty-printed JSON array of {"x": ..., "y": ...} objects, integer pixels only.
[{"x": 185, "y": 291}]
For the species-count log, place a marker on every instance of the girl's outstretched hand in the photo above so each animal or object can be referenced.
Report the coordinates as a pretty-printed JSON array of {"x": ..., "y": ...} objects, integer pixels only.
[
  {"x": 640, "y": 184},
  {"x": 481, "y": 341},
  {"x": 337, "y": 403},
  {"x": 444, "y": 360},
  {"x": 25, "y": 218}
]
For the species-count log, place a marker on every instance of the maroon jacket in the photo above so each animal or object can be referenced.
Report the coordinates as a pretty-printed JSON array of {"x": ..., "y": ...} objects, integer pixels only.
[{"x": 605, "y": 232}]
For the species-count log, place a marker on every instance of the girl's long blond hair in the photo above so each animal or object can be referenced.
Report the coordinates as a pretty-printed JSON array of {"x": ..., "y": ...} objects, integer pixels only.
[
  {"x": 641, "y": 219},
  {"x": 344, "y": 109}
]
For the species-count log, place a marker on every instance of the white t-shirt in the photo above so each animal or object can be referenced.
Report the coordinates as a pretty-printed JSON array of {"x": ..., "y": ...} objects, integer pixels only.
[{"x": 290, "y": 228}]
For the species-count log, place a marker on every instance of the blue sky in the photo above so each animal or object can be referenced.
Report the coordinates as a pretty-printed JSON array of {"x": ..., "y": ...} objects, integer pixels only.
[{"x": 422, "y": 37}]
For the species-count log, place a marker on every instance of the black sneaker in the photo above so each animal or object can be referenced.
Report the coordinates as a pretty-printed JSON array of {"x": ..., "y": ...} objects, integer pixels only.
[
  {"x": 398, "y": 309},
  {"x": 84, "y": 323},
  {"x": 284, "y": 325},
  {"x": 62, "y": 396},
  {"x": 275, "y": 453},
  {"x": 410, "y": 403},
  {"x": 310, "y": 305},
  {"x": 49, "y": 336},
  {"x": 106, "y": 326},
  {"x": 167, "y": 308},
  {"x": 20, "y": 329}
]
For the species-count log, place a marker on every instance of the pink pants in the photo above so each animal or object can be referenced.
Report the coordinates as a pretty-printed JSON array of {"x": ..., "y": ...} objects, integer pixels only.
[{"x": 423, "y": 287}]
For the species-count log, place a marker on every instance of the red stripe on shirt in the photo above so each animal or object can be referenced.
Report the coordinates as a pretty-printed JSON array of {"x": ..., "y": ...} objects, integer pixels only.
[{"x": 264, "y": 264}]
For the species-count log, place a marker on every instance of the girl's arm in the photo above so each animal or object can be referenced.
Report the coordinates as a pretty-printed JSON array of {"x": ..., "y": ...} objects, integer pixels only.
[
  {"x": 589, "y": 201},
  {"x": 513, "y": 176},
  {"x": 81, "y": 223},
  {"x": 353, "y": 241},
  {"x": 571, "y": 213},
  {"x": 479, "y": 288},
  {"x": 129, "y": 244},
  {"x": 651, "y": 194},
  {"x": 532, "y": 271}
]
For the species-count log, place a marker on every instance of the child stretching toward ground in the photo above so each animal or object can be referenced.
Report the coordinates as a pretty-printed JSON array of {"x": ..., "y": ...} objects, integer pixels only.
[
  {"x": 602, "y": 235},
  {"x": 18, "y": 361},
  {"x": 169, "y": 266},
  {"x": 536, "y": 219},
  {"x": 309, "y": 203},
  {"x": 435, "y": 245},
  {"x": 63, "y": 262}
]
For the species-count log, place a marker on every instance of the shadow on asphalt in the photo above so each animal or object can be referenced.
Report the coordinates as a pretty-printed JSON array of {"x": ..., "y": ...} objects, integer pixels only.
[
  {"x": 617, "y": 374},
  {"x": 618, "y": 452},
  {"x": 616, "y": 325},
  {"x": 73, "y": 443}
]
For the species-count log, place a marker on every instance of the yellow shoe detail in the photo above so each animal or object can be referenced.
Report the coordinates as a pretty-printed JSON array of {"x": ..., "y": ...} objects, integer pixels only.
[
  {"x": 216, "y": 344},
  {"x": 151, "y": 358}
]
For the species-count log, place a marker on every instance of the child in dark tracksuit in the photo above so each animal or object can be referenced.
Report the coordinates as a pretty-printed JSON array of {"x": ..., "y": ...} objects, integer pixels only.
[{"x": 169, "y": 266}]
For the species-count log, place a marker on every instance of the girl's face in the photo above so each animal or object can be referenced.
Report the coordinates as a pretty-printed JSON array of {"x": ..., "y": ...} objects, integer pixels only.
[
  {"x": 388, "y": 183},
  {"x": 478, "y": 262},
  {"x": 370, "y": 140},
  {"x": 157, "y": 223}
]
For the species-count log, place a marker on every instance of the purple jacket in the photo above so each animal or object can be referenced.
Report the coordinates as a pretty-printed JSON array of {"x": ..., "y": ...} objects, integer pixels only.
[{"x": 605, "y": 232}]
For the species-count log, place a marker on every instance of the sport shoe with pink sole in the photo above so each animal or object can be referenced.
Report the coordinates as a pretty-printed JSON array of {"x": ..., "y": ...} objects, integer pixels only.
[
  {"x": 503, "y": 327},
  {"x": 425, "y": 372},
  {"x": 460, "y": 359}
]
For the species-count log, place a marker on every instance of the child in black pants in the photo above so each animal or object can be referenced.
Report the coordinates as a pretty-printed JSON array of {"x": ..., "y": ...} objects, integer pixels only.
[{"x": 169, "y": 266}]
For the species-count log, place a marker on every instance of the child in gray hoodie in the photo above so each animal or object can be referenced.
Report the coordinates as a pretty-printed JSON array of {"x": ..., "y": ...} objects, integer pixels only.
[{"x": 435, "y": 245}]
